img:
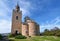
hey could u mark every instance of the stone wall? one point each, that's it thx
(16, 23)
(25, 30)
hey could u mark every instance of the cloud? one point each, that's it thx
(56, 20)
(6, 12)
(4, 9)
(5, 23)
(25, 12)
(24, 6)
(50, 24)
(5, 26)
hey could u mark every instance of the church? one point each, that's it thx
(26, 28)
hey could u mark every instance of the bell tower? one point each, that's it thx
(16, 20)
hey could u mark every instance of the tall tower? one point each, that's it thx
(16, 20)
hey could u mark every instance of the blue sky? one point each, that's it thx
(45, 12)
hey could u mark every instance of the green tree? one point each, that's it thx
(0, 36)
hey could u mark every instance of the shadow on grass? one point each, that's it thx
(11, 40)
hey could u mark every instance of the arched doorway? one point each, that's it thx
(16, 32)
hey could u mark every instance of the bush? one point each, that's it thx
(11, 35)
(29, 36)
(20, 37)
(0, 36)
(11, 40)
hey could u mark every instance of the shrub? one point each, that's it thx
(0, 36)
(11, 40)
(11, 35)
(20, 37)
(29, 36)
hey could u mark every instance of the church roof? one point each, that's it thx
(24, 23)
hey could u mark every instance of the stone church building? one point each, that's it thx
(26, 28)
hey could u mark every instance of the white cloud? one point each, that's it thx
(4, 9)
(5, 26)
(56, 20)
(51, 24)
(24, 6)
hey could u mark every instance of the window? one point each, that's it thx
(16, 17)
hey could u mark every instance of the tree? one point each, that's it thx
(0, 36)
(53, 32)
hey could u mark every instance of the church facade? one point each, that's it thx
(26, 28)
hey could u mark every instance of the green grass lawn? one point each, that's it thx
(39, 38)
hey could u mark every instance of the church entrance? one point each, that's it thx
(16, 32)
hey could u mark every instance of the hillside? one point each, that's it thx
(39, 38)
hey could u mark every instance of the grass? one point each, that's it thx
(39, 38)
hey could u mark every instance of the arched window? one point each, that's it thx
(16, 17)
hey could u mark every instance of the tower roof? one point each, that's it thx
(17, 7)
(27, 18)
(24, 23)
